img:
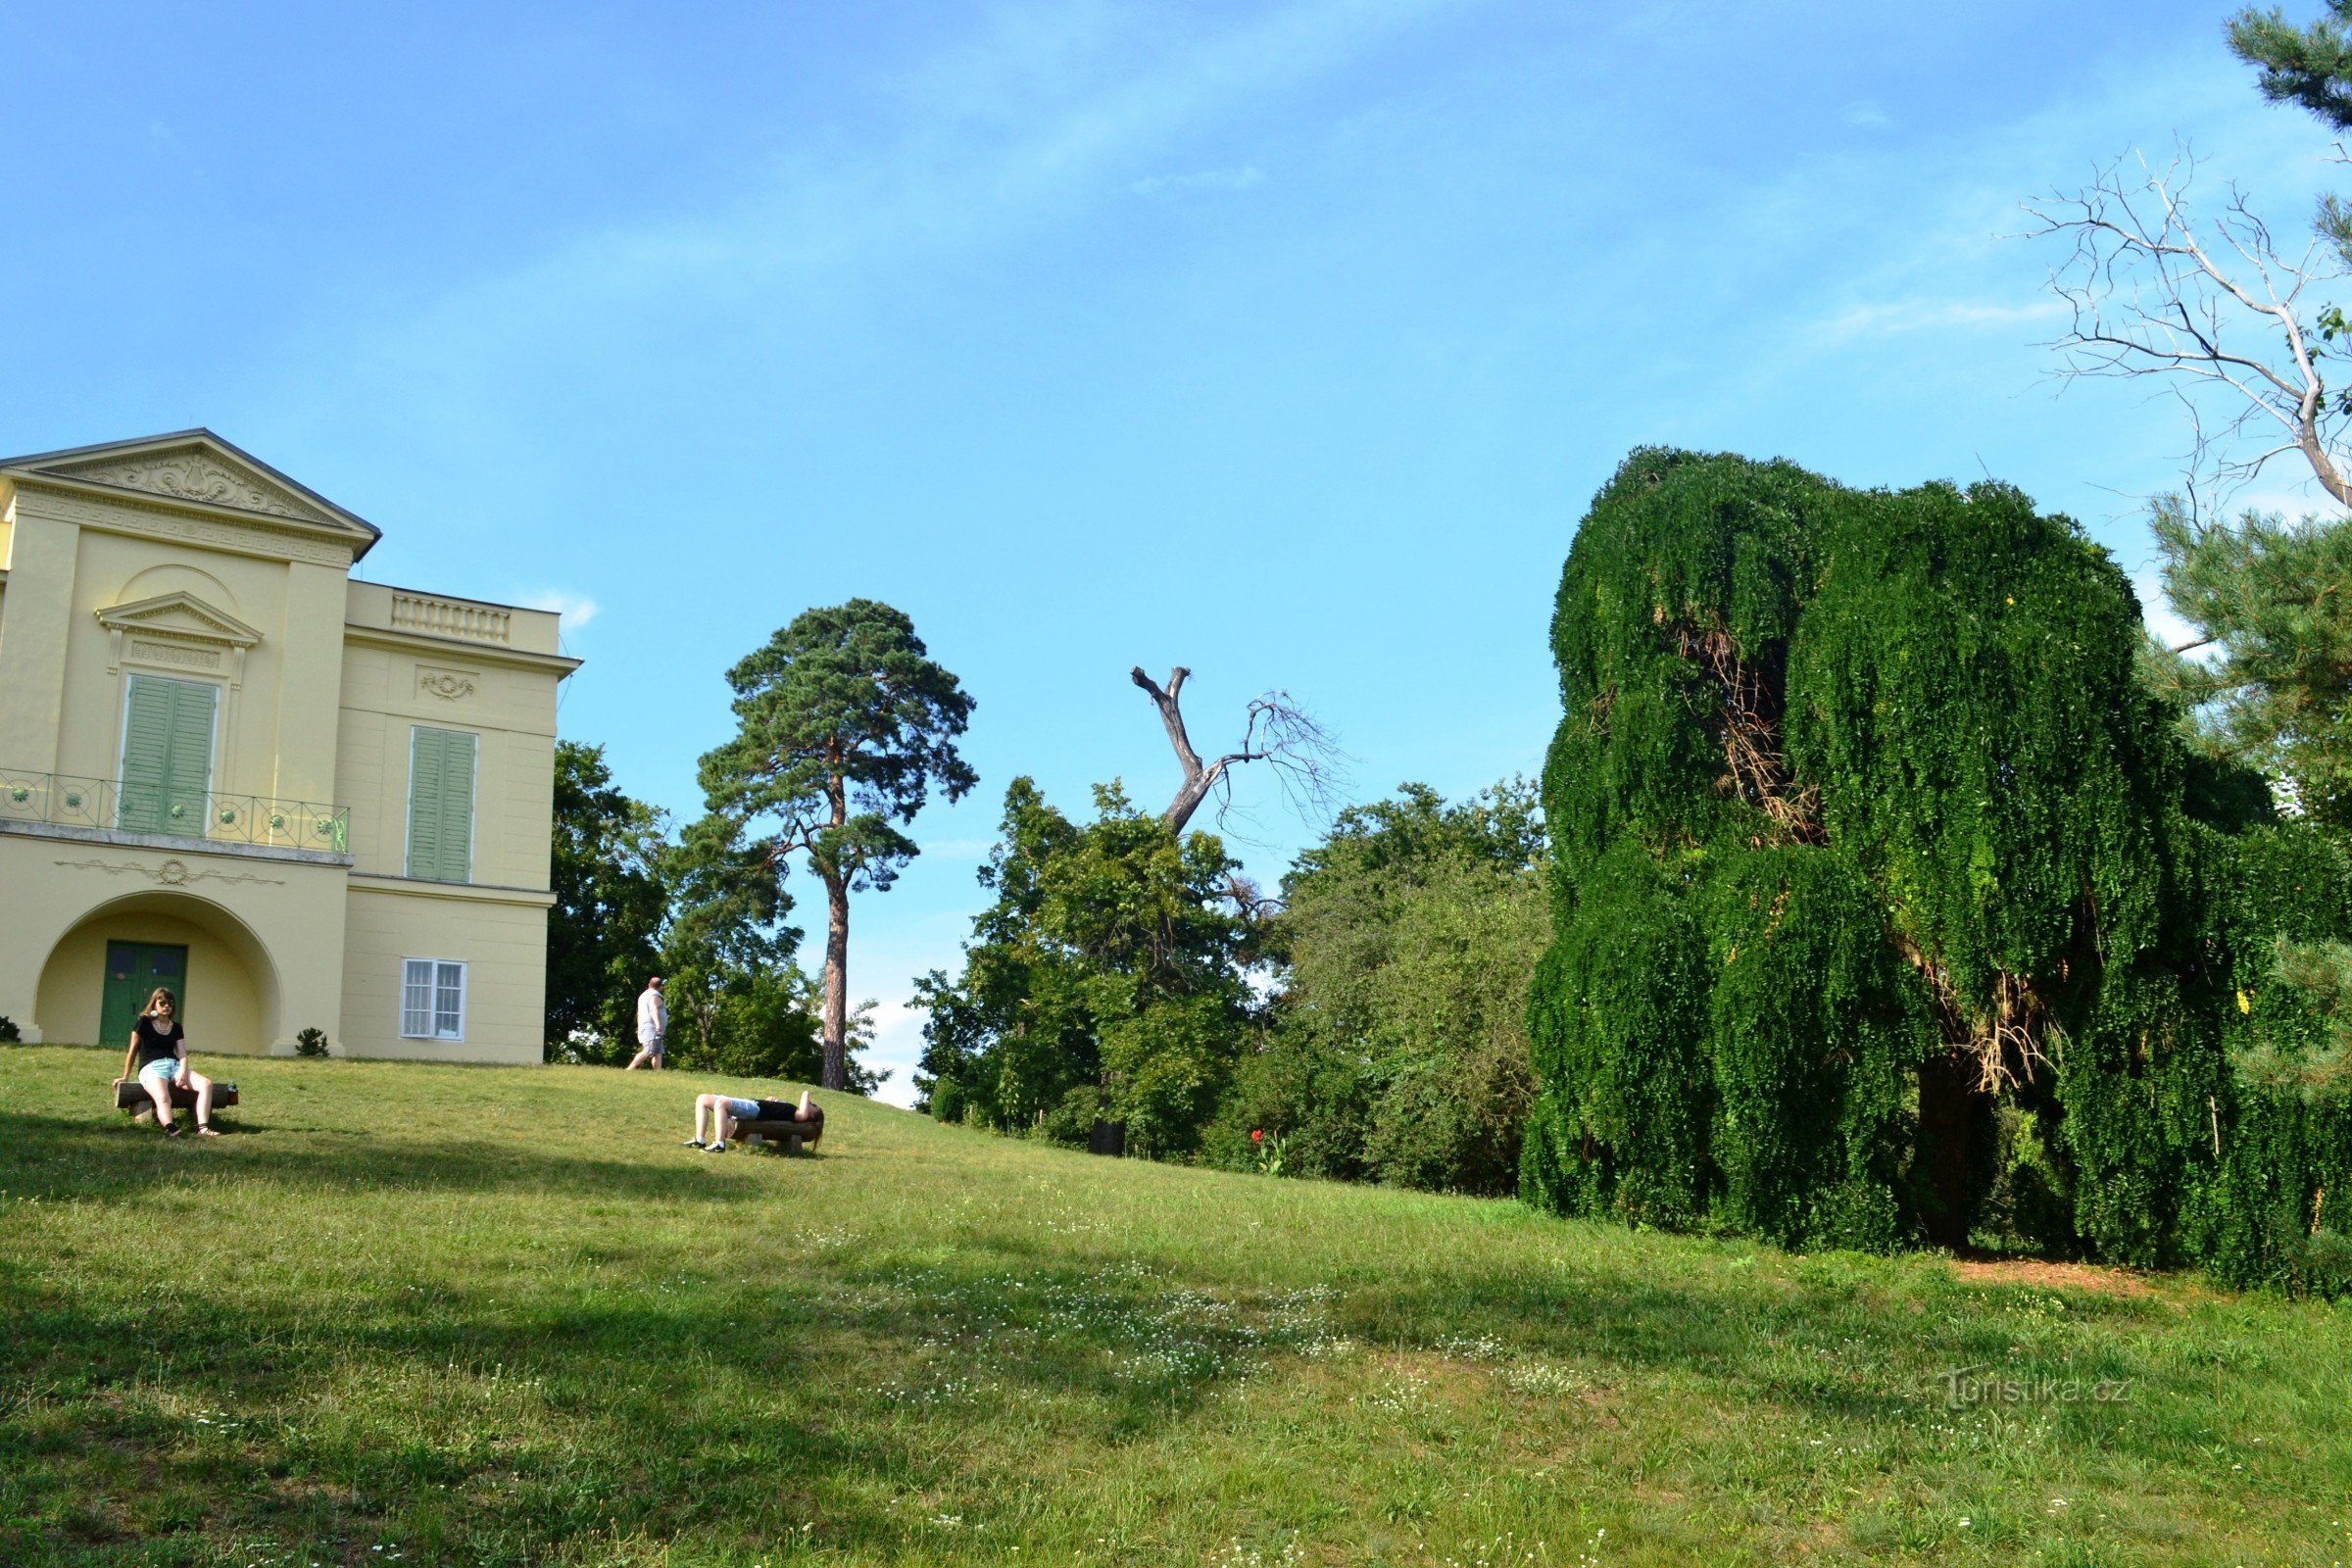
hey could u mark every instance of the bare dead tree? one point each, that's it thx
(2215, 308)
(1300, 753)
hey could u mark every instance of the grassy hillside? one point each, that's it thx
(499, 1317)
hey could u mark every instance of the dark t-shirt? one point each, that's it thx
(156, 1044)
(786, 1110)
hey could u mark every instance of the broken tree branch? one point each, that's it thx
(1277, 731)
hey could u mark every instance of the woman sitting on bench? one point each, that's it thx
(727, 1112)
(159, 1058)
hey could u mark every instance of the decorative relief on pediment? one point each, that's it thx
(194, 476)
(135, 517)
(449, 685)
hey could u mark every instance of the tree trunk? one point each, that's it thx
(1187, 799)
(837, 982)
(1197, 778)
(1947, 1090)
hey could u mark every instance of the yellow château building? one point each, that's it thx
(301, 800)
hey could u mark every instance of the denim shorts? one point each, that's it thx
(163, 1067)
(744, 1110)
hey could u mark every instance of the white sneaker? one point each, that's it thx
(694, 1143)
(715, 1148)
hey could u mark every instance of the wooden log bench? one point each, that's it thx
(131, 1096)
(792, 1136)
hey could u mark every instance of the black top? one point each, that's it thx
(156, 1044)
(786, 1110)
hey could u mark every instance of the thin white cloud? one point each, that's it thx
(1207, 180)
(1864, 114)
(577, 610)
(1038, 112)
(957, 848)
(1885, 318)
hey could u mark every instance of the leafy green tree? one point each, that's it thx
(1104, 982)
(2309, 66)
(2271, 689)
(603, 932)
(845, 724)
(1869, 840)
(1402, 952)
(727, 942)
(1008, 1040)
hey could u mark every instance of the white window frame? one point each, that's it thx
(437, 968)
(408, 807)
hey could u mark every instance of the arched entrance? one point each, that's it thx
(229, 986)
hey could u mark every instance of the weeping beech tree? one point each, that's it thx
(1890, 906)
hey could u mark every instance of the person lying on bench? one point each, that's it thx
(725, 1112)
(159, 1058)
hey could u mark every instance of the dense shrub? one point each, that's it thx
(1884, 904)
(1396, 1047)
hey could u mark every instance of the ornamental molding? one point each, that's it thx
(172, 873)
(449, 685)
(181, 616)
(193, 476)
(177, 656)
(132, 515)
(180, 630)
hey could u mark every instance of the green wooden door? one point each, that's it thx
(167, 755)
(133, 969)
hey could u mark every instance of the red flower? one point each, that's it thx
(1257, 1135)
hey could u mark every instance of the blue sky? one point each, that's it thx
(1287, 341)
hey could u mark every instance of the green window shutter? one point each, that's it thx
(167, 755)
(424, 802)
(441, 805)
(456, 808)
(188, 774)
(146, 749)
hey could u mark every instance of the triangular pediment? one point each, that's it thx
(199, 468)
(183, 615)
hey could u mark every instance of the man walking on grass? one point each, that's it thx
(653, 1024)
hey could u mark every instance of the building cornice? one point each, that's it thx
(415, 641)
(455, 892)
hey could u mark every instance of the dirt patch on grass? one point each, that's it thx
(2052, 1276)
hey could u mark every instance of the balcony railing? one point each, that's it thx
(451, 618)
(206, 815)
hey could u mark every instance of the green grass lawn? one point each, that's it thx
(445, 1315)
